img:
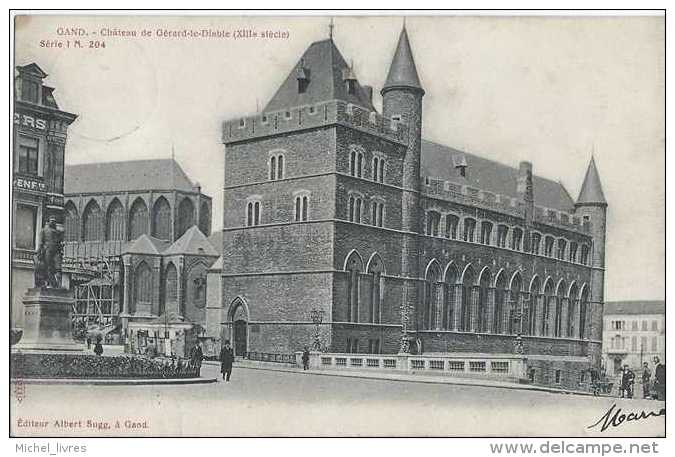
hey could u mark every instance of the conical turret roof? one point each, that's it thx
(591, 189)
(402, 71)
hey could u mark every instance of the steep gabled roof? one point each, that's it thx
(591, 189)
(147, 245)
(437, 162)
(635, 307)
(402, 71)
(193, 242)
(165, 174)
(326, 70)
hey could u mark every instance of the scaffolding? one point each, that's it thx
(95, 277)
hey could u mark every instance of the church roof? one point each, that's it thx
(485, 174)
(193, 242)
(635, 307)
(325, 69)
(591, 189)
(147, 245)
(402, 71)
(164, 174)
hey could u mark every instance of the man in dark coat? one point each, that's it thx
(98, 348)
(646, 377)
(305, 359)
(226, 360)
(196, 358)
(627, 379)
(659, 379)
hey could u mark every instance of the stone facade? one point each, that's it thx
(396, 258)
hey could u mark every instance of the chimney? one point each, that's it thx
(369, 93)
(524, 188)
(459, 162)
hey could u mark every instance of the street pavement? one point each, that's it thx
(272, 403)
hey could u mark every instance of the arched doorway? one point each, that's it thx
(237, 320)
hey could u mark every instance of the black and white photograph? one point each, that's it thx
(337, 224)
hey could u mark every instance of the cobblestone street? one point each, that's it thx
(270, 403)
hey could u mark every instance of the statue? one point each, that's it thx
(47, 269)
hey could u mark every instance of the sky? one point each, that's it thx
(550, 90)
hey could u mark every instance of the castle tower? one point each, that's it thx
(592, 207)
(402, 102)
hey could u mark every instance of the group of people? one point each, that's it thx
(652, 389)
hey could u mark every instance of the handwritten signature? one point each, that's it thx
(615, 418)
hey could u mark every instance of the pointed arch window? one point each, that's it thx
(486, 232)
(375, 271)
(355, 204)
(517, 239)
(186, 216)
(276, 166)
(584, 254)
(574, 247)
(548, 246)
(143, 284)
(536, 242)
(71, 223)
(434, 297)
(433, 222)
(115, 221)
(138, 219)
(469, 229)
(301, 205)
(378, 168)
(377, 213)
(356, 155)
(562, 247)
(354, 267)
(502, 234)
(451, 224)
(253, 211)
(92, 222)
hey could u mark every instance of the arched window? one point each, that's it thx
(451, 224)
(502, 234)
(549, 310)
(355, 203)
(354, 267)
(301, 206)
(469, 229)
(276, 167)
(536, 242)
(376, 169)
(562, 246)
(584, 254)
(143, 285)
(548, 246)
(516, 318)
(377, 213)
(433, 221)
(92, 222)
(170, 301)
(161, 219)
(252, 213)
(517, 239)
(375, 271)
(468, 280)
(451, 296)
(535, 311)
(186, 216)
(561, 308)
(483, 308)
(356, 161)
(485, 232)
(573, 312)
(583, 310)
(138, 219)
(433, 297)
(71, 223)
(574, 247)
(115, 221)
(205, 219)
(501, 308)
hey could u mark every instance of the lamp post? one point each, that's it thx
(317, 319)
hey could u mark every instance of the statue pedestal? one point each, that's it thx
(47, 324)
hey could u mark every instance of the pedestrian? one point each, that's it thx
(305, 359)
(646, 378)
(226, 360)
(88, 342)
(627, 380)
(196, 358)
(659, 379)
(98, 348)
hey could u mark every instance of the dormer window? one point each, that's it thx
(303, 77)
(30, 91)
(351, 87)
(302, 85)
